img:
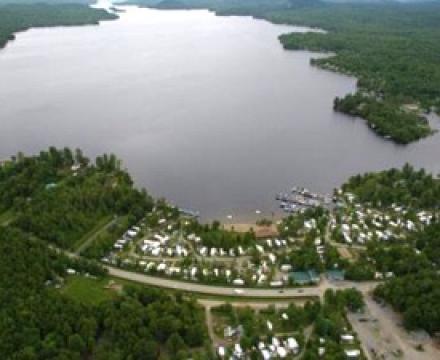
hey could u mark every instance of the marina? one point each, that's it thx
(179, 127)
(300, 198)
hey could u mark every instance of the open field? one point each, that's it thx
(90, 290)
(260, 231)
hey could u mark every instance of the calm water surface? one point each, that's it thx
(207, 111)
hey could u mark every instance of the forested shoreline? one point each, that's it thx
(24, 16)
(391, 48)
(39, 322)
(414, 288)
(55, 198)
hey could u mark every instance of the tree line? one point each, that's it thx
(23, 16)
(39, 322)
(60, 203)
(391, 48)
(407, 186)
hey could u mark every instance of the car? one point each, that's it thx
(238, 291)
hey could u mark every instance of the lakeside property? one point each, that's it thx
(384, 227)
(299, 139)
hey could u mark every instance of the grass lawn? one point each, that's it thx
(88, 290)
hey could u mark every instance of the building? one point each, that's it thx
(304, 277)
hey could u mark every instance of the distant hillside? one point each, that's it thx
(171, 4)
(304, 3)
(20, 17)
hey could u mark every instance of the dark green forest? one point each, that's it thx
(392, 49)
(410, 187)
(385, 118)
(415, 292)
(56, 197)
(20, 17)
(51, 201)
(414, 288)
(38, 322)
(416, 296)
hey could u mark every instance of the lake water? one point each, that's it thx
(207, 111)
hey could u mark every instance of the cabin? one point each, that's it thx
(71, 271)
(221, 351)
(156, 251)
(238, 351)
(347, 238)
(304, 277)
(230, 332)
(272, 258)
(286, 267)
(238, 282)
(292, 345)
(347, 338)
(265, 354)
(281, 351)
(131, 233)
(162, 267)
(352, 353)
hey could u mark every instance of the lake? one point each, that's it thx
(209, 112)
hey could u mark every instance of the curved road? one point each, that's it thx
(314, 291)
(276, 293)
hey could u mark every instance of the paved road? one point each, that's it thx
(316, 291)
(394, 336)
